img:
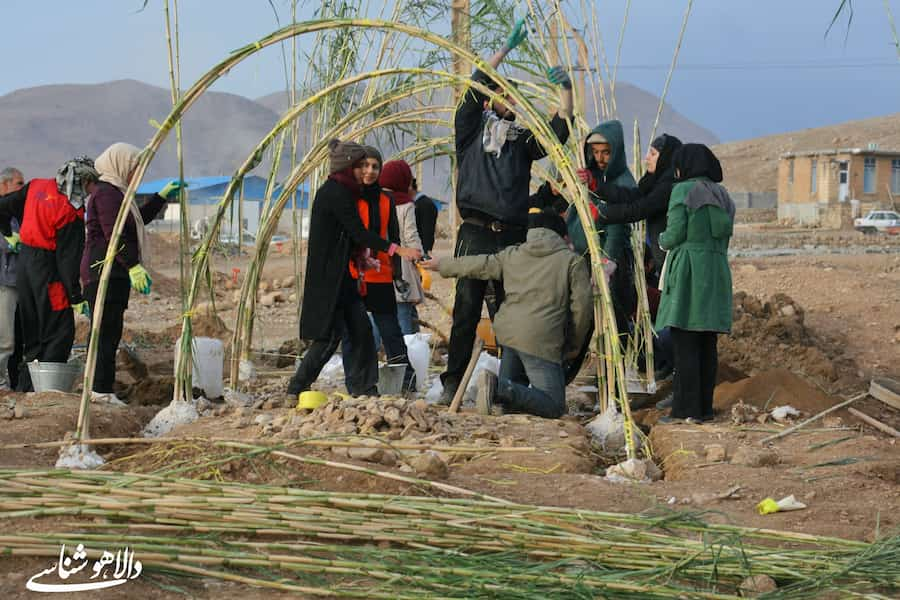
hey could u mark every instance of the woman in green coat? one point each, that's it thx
(696, 288)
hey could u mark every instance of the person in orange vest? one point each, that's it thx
(380, 276)
(51, 234)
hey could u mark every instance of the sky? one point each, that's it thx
(746, 67)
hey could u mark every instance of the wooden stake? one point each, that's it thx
(814, 418)
(464, 382)
(874, 422)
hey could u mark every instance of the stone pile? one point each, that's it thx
(394, 417)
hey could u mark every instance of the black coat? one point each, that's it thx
(334, 230)
(630, 205)
(426, 221)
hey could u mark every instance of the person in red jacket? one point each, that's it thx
(51, 233)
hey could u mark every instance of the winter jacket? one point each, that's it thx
(100, 216)
(491, 186)
(547, 311)
(426, 220)
(649, 201)
(8, 259)
(614, 239)
(696, 293)
(334, 229)
(409, 238)
(51, 224)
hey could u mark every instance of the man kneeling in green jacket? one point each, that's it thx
(544, 319)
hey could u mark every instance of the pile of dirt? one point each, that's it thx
(396, 418)
(770, 389)
(771, 334)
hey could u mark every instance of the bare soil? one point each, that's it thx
(809, 331)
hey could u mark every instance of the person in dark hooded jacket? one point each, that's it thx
(604, 154)
(331, 300)
(696, 288)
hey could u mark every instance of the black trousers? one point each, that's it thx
(696, 361)
(361, 373)
(470, 294)
(15, 361)
(117, 293)
(48, 321)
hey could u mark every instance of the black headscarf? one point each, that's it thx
(666, 145)
(696, 160)
(372, 193)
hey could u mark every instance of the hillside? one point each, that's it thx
(43, 126)
(752, 165)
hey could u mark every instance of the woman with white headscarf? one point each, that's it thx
(116, 166)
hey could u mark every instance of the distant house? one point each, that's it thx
(205, 193)
(831, 187)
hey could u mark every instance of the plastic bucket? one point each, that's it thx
(54, 377)
(390, 379)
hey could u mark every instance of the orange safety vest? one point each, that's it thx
(386, 273)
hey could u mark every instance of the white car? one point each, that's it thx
(879, 220)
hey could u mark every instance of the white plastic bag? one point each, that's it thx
(418, 349)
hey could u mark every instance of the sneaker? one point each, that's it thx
(110, 398)
(665, 402)
(487, 387)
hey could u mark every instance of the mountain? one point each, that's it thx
(752, 165)
(43, 126)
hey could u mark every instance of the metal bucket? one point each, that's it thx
(52, 376)
(390, 379)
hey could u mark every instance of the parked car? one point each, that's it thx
(886, 221)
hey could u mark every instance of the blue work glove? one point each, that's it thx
(517, 35)
(13, 241)
(82, 308)
(140, 279)
(171, 189)
(558, 76)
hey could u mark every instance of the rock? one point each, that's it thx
(755, 457)
(7, 413)
(429, 465)
(289, 281)
(715, 453)
(292, 298)
(748, 269)
(276, 284)
(20, 412)
(203, 404)
(238, 398)
(264, 286)
(366, 453)
(788, 310)
(263, 419)
(563, 433)
(634, 469)
(389, 459)
(392, 417)
(756, 585)
(243, 422)
(271, 299)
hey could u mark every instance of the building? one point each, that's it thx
(205, 193)
(832, 187)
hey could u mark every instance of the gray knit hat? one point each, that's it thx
(344, 154)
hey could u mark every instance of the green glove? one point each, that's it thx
(558, 76)
(82, 308)
(13, 241)
(171, 189)
(140, 279)
(517, 35)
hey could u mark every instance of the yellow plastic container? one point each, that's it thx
(426, 277)
(311, 400)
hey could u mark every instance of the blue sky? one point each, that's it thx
(748, 67)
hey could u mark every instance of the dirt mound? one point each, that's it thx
(773, 388)
(164, 286)
(771, 334)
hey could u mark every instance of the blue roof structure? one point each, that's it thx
(209, 190)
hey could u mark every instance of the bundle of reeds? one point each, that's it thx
(367, 545)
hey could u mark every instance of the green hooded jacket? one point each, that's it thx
(696, 293)
(615, 238)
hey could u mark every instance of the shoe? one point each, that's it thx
(709, 417)
(667, 420)
(487, 387)
(665, 402)
(110, 398)
(446, 397)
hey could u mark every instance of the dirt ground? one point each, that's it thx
(810, 329)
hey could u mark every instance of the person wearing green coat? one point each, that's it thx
(604, 155)
(696, 287)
